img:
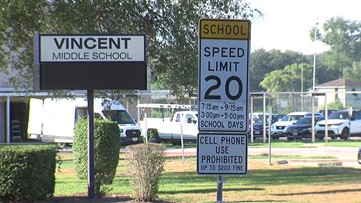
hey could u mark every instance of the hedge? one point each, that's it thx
(27, 172)
(106, 152)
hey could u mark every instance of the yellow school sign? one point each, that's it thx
(224, 29)
(223, 96)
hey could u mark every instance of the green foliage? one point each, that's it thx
(176, 64)
(151, 136)
(27, 172)
(20, 20)
(157, 113)
(353, 72)
(322, 66)
(289, 79)
(170, 26)
(344, 38)
(335, 105)
(106, 151)
(263, 62)
(341, 61)
(145, 163)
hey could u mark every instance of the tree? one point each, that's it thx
(322, 68)
(264, 62)
(344, 38)
(177, 63)
(353, 72)
(289, 79)
(19, 21)
(170, 27)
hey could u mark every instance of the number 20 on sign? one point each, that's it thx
(223, 75)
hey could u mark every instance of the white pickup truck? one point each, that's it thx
(182, 125)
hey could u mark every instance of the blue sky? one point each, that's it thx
(286, 23)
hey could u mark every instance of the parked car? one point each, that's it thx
(359, 155)
(258, 125)
(315, 113)
(340, 125)
(277, 117)
(257, 115)
(302, 128)
(258, 129)
(278, 129)
(329, 111)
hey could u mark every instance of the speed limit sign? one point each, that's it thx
(223, 75)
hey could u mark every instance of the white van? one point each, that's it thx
(53, 120)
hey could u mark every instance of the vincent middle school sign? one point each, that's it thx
(90, 62)
(91, 48)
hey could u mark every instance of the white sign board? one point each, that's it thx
(223, 75)
(219, 154)
(92, 48)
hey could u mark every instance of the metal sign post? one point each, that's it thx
(219, 189)
(91, 159)
(269, 135)
(223, 88)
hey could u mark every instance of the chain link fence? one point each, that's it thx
(283, 102)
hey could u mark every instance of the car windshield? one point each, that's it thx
(291, 117)
(276, 118)
(305, 120)
(310, 114)
(338, 115)
(119, 116)
(260, 120)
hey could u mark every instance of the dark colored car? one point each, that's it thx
(258, 125)
(302, 128)
(258, 128)
(359, 155)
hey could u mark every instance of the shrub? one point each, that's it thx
(27, 172)
(106, 151)
(145, 162)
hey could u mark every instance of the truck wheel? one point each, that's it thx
(344, 134)
(153, 136)
(61, 145)
(176, 143)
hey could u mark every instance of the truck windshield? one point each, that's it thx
(119, 116)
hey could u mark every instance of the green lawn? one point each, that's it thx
(263, 182)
